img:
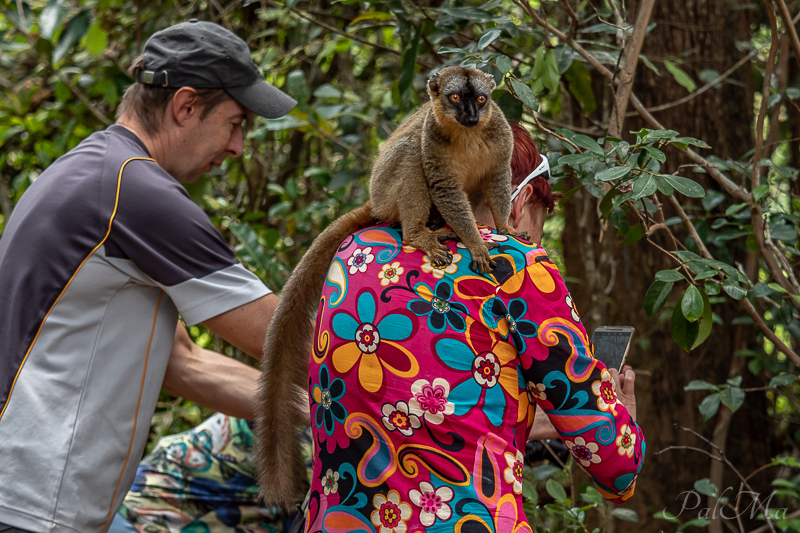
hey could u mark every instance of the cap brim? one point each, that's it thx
(263, 99)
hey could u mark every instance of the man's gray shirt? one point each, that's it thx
(100, 256)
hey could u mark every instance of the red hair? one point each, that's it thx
(524, 160)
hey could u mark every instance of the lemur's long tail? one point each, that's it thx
(284, 367)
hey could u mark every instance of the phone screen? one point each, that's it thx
(611, 344)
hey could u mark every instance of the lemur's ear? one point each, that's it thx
(490, 81)
(433, 84)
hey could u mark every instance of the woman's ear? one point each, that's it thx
(518, 206)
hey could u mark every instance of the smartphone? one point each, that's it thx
(611, 344)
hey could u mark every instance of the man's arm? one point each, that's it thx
(246, 327)
(210, 379)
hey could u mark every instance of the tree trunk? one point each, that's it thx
(615, 278)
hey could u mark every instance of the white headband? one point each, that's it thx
(543, 168)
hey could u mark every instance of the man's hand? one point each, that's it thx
(625, 393)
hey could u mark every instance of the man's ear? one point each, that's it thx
(185, 105)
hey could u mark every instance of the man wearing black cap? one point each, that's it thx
(99, 258)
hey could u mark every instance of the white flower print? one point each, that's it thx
(537, 390)
(390, 513)
(440, 271)
(390, 273)
(487, 235)
(433, 503)
(430, 400)
(397, 418)
(606, 393)
(584, 452)
(625, 441)
(486, 370)
(367, 338)
(573, 312)
(330, 483)
(513, 474)
(360, 259)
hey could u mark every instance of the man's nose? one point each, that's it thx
(236, 144)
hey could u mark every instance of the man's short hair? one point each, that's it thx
(147, 103)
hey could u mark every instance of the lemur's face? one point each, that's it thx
(461, 95)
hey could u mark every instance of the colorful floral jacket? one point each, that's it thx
(424, 381)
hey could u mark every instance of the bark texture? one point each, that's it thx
(615, 278)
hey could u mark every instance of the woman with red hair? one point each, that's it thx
(425, 379)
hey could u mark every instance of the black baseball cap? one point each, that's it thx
(204, 55)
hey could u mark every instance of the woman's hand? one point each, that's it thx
(542, 428)
(625, 393)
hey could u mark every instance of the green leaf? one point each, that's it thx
(649, 64)
(252, 252)
(633, 235)
(732, 397)
(666, 515)
(326, 90)
(777, 288)
(692, 304)
(579, 81)
(680, 76)
(706, 487)
(792, 93)
(783, 232)
(613, 173)
(529, 491)
(655, 153)
(761, 191)
(684, 333)
(488, 38)
(735, 208)
(564, 57)
(690, 140)
(669, 275)
(685, 186)
(644, 185)
(706, 321)
(503, 63)
(524, 93)
(733, 289)
(592, 495)
(555, 490)
(543, 472)
(699, 522)
(51, 18)
(575, 159)
(781, 380)
(709, 406)
(656, 297)
(588, 143)
(407, 70)
(629, 515)
(96, 40)
(699, 384)
(72, 34)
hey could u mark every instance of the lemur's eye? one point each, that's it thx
(481, 99)
(455, 98)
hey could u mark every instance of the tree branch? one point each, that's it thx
(730, 187)
(632, 50)
(768, 333)
(704, 88)
(789, 23)
(77, 92)
(756, 214)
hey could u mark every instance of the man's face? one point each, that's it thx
(207, 142)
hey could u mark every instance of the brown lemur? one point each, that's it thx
(453, 153)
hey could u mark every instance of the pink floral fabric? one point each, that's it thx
(424, 381)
